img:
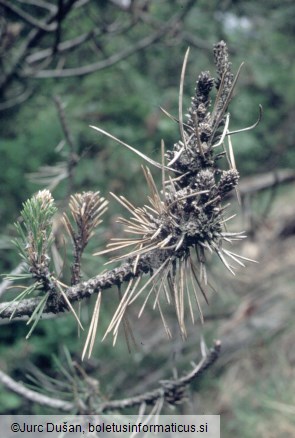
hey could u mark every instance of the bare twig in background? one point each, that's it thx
(27, 17)
(105, 63)
(62, 47)
(65, 126)
(264, 181)
(24, 63)
(16, 100)
(40, 4)
(253, 185)
(91, 68)
(33, 38)
(73, 158)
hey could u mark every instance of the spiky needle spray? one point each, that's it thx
(170, 235)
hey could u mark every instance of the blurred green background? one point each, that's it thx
(253, 386)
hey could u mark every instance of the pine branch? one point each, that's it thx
(170, 391)
(43, 400)
(173, 232)
(76, 293)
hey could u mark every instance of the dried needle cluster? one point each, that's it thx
(86, 209)
(171, 235)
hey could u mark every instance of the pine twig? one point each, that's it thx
(170, 391)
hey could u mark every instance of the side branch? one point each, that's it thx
(113, 59)
(34, 37)
(170, 391)
(27, 17)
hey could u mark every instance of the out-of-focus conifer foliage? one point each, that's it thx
(125, 98)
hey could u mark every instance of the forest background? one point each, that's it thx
(127, 66)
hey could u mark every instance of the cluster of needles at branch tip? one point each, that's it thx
(168, 238)
(186, 218)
